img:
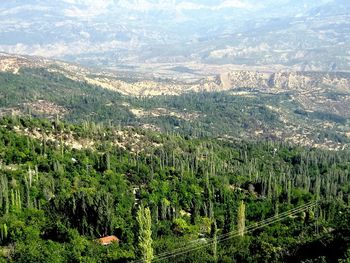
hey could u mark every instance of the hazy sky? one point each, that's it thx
(92, 8)
(146, 9)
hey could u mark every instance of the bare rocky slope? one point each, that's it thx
(285, 80)
(263, 81)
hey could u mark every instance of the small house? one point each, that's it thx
(108, 240)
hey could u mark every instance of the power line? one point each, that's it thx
(232, 235)
(194, 246)
(236, 232)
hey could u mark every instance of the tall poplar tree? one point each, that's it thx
(214, 236)
(145, 234)
(241, 219)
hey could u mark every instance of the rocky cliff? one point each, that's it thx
(284, 80)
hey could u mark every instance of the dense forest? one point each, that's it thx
(167, 197)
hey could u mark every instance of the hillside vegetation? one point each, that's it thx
(56, 198)
(314, 113)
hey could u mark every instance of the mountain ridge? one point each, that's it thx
(288, 34)
(307, 108)
(273, 81)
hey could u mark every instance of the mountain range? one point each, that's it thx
(148, 36)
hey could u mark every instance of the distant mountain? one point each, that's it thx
(296, 35)
(337, 7)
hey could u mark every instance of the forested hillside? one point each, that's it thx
(320, 120)
(63, 186)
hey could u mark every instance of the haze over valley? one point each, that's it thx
(174, 38)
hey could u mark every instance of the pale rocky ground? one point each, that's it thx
(47, 108)
(273, 81)
(125, 139)
(187, 116)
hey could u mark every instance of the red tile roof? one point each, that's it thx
(108, 240)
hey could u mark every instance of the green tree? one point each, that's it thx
(145, 234)
(241, 219)
(214, 236)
